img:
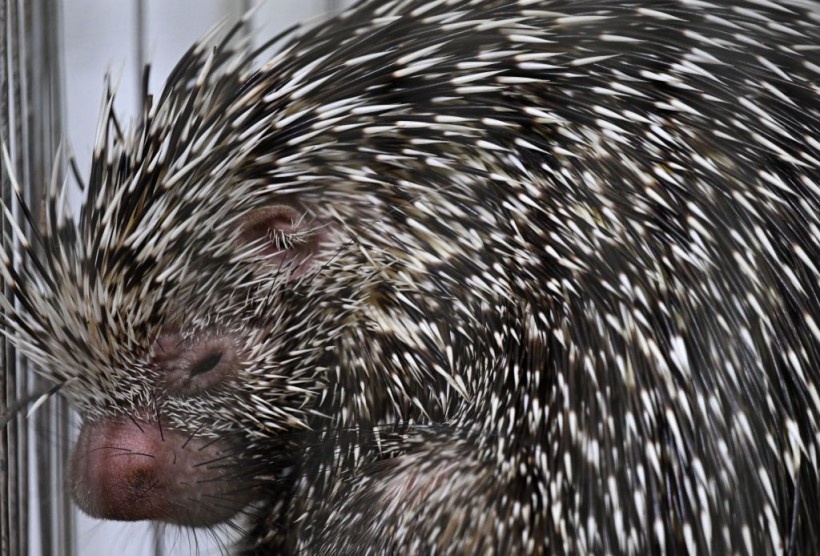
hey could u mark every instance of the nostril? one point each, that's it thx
(206, 364)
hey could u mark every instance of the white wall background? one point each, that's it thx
(101, 36)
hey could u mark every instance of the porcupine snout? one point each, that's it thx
(140, 467)
(134, 470)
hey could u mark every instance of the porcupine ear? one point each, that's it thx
(282, 234)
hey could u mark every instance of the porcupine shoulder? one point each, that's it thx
(529, 277)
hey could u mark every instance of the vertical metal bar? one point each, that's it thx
(43, 419)
(50, 22)
(140, 59)
(332, 7)
(31, 110)
(13, 447)
(8, 533)
(35, 114)
(14, 524)
(6, 370)
(30, 124)
(140, 54)
(19, 454)
(249, 30)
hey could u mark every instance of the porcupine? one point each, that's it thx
(456, 277)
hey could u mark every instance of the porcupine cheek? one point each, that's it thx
(133, 470)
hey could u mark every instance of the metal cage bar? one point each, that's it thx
(31, 127)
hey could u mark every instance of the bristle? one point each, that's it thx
(566, 299)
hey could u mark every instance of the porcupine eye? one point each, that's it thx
(206, 364)
(197, 364)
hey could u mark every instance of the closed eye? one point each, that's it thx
(207, 363)
(197, 363)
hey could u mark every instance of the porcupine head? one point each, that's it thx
(247, 259)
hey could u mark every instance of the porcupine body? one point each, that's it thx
(457, 277)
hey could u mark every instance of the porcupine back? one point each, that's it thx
(566, 295)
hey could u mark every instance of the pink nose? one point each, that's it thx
(134, 470)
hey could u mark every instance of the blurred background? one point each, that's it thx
(54, 55)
